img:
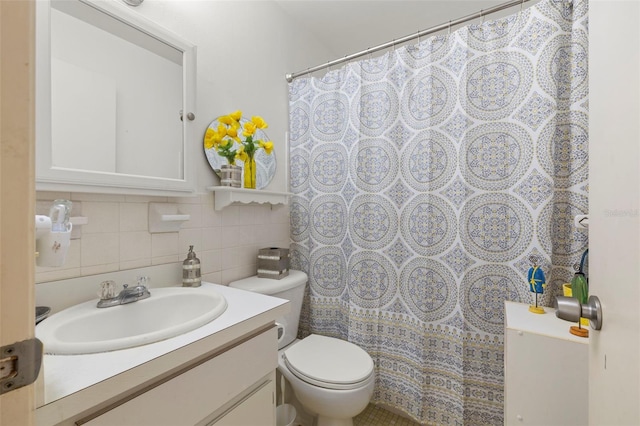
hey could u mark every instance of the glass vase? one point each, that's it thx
(250, 173)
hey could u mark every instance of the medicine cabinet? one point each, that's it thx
(115, 98)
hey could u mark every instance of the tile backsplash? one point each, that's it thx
(117, 237)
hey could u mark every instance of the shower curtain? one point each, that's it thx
(423, 182)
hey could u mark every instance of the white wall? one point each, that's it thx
(244, 50)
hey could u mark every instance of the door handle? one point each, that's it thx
(570, 309)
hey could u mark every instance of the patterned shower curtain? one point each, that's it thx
(423, 181)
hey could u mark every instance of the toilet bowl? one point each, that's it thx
(331, 378)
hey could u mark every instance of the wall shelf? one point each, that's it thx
(165, 217)
(226, 195)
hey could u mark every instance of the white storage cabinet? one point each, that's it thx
(546, 370)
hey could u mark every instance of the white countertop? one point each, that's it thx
(67, 376)
(518, 317)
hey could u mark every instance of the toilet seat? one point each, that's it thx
(329, 362)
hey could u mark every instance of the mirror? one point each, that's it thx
(265, 163)
(111, 89)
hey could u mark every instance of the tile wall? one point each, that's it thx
(117, 236)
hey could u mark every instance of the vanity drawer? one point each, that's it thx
(254, 409)
(197, 393)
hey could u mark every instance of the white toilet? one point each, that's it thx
(331, 378)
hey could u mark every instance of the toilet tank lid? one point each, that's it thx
(271, 286)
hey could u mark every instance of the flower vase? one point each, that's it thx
(250, 172)
(230, 175)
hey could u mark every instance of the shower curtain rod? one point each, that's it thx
(404, 39)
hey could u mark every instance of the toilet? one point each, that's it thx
(333, 379)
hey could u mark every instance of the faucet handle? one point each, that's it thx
(143, 280)
(107, 290)
(138, 289)
(132, 294)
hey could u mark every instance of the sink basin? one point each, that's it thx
(169, 312)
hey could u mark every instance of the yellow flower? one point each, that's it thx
(241, 155)
(213, 138)
(249, 129)
(237, 115)
(210, 138)
(259, 122)
(226, 119)
(267, 146)
(224, 137)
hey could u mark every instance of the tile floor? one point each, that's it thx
(377, 416)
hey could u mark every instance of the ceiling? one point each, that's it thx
(350, 26)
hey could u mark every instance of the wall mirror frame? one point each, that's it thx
(158, 43)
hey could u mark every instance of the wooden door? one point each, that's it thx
(17, 193)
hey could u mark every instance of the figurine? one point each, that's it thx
(537, 283)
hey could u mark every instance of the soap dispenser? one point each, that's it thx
(191, 270)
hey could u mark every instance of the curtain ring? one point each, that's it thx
(449, 33)
(483, 16)
(521, 5)
(418, 33)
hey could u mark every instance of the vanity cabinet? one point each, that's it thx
(222, 373)
(236, 387)
(546, 369)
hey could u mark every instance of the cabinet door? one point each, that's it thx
(258, 409)
(546, 380)
(205, 389)
(145, 78)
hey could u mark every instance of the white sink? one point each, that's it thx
(169, 312)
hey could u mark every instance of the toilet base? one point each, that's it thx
(326, 421)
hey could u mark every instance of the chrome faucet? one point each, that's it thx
(127, 295)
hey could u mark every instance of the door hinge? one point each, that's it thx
(19, 364)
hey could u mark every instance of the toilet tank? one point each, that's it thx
(290, 288)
